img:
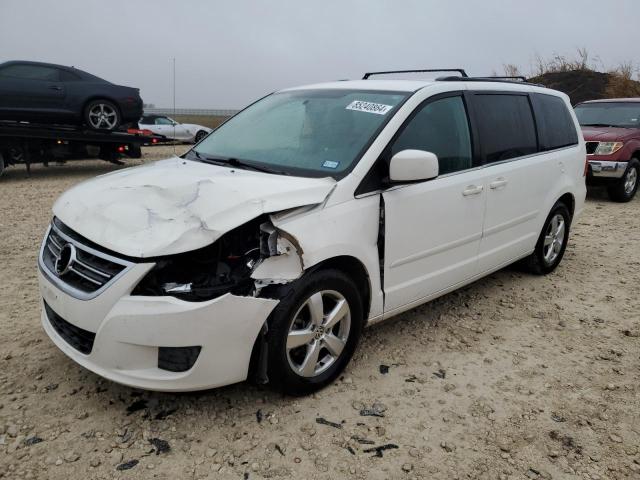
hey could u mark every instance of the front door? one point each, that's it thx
(31, 89)
(169, 128)
(433, 228)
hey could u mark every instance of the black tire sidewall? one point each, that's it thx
(200, 134)
(88, 106)
(543, 266)
(280, 373)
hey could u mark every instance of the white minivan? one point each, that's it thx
(263, 251)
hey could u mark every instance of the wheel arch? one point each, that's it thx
(347, 264)
(569, 200)
(100, 97)
(354, 269)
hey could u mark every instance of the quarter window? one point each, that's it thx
(440, 127)
(505, 125)
(67, 76)
(555, 125)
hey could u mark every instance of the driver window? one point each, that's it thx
(440, 127)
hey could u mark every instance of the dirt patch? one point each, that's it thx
(513, 377)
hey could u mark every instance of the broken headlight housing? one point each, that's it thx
(199, 275)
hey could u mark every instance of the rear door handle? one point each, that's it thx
(498, 183)
(54, 87)
(472, 190)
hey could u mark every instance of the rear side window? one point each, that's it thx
(67, 76)
(505, 125)
(555, 125)
(31, 72)
(440, 127)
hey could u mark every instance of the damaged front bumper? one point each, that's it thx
(125, 336)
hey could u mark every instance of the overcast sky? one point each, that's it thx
(229, 53)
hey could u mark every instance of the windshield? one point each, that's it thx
(609, 114)
(314, 133)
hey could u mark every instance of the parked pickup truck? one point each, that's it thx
(611, 129)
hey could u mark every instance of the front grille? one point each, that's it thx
(85, 270)
(591, 147)
(80, 339)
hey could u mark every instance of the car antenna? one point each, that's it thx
(174, 106)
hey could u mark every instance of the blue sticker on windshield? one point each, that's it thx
(330, 164)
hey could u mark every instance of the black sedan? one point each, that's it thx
(44, 92)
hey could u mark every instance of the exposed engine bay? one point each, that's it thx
(222, 267)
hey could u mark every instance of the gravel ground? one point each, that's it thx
(513, 377)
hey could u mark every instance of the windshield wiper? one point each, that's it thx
(598, 125)
(237, 163)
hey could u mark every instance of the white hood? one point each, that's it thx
(178, 205)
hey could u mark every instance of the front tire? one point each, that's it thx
(552, 241)
(625, 189)
(102, 114)
(313, 331)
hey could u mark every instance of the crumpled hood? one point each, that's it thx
(177, 205)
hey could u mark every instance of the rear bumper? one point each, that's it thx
(131, 110)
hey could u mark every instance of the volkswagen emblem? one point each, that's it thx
(65, 260)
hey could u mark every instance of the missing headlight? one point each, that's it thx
(222, 267)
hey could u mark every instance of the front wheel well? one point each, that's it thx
(350, 266)
(354, 269)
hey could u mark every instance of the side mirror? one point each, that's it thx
(412, 166)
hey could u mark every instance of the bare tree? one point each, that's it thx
(511, 70)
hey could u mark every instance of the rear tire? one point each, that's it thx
(1, 164)
(551, 243)
(625, 189)
(135, 151)
(102, 114)
(200, 135)
(307, 346)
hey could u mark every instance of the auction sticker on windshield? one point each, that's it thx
(377, 108)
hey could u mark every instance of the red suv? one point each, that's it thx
(611, 129)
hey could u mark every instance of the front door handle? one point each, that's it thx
(54, 87)
(498, 183)
(472, 190)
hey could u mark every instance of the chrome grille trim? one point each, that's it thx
(53, 242)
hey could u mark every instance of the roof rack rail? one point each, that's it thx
(430, 70)
(522, 78)
(502, 79)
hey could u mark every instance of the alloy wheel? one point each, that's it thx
(630, 180)
(554, 239)
(318, 333)
(103, 116)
